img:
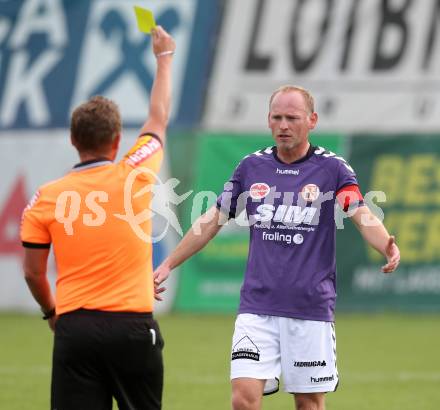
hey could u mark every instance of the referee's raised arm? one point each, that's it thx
(160, 100)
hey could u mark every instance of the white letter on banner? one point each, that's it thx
(31, 21)
(27, 86)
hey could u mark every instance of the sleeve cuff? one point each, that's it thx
(151, 134)
(33, 245)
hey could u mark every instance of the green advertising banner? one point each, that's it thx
(211, 280)
(407, 170)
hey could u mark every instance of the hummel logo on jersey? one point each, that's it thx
(315, 363)
(284, 213)
(287, 171)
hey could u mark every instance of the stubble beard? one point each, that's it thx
(288, 146)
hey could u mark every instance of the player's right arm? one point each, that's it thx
(203, 229)
(160, 100)
(201, 232)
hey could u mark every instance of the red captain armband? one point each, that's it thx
(349, 195)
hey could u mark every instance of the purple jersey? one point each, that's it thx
(291, 267)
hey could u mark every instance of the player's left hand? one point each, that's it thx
(157, 292)
(393, 256)
(159, 276)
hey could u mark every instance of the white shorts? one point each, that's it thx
(302, 351)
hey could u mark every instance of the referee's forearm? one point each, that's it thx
(160, 101)
(40, 289)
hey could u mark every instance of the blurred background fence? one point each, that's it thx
(372, 65)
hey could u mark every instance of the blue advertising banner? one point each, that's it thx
(55, 54)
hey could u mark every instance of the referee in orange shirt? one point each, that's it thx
(106, 343)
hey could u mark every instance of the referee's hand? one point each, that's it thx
(51, 322)
(163, 43)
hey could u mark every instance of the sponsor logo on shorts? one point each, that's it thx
(322, 379)
(245, 348)
(243, 354)
(315, 363)
(259, 190)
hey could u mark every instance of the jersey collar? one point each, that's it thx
(91, 163)
(309, 153)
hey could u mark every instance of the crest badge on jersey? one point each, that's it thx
(310, 192)
(259, 190)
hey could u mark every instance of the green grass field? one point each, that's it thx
(386, 362)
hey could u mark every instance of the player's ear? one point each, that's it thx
(116, 142)
(313, 119)
(72, 141)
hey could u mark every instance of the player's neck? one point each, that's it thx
(90, 156)
(291, 155)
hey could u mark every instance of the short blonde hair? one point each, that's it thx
(308, 98)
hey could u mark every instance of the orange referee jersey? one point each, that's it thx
(102, 262)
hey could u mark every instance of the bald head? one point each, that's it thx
(309, 104)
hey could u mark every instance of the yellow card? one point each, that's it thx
(145, 19)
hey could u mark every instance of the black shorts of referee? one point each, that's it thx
(99, 355)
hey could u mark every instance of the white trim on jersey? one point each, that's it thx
(329, 154)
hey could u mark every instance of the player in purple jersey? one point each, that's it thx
(290, 193)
